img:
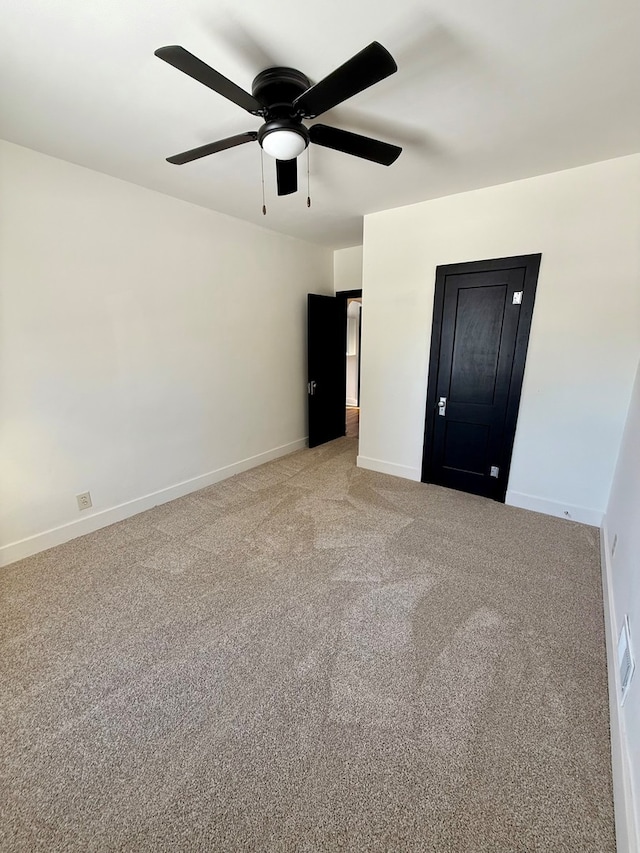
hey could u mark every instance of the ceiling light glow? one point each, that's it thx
(284, 144)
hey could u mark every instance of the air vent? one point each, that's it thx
(626, 663)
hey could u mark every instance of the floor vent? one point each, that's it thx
(626, 663)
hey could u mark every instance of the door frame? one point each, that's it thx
(531, 266)
(346, 295)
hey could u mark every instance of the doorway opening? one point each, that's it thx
(333, 411)
(352, 402)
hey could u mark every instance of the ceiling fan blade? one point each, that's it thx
(203, 73)
(212, 148)
(353, 143)
(287, 176)
(371, 65)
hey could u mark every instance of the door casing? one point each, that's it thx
(346, 295)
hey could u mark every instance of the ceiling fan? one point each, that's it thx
(283, 97)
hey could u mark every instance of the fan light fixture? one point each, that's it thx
(282, 144)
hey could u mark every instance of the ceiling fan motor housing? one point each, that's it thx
(277, 88)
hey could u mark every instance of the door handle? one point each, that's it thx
(311, 388)
(442, 406)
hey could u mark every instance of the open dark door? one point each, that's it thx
(326, 360)
(481, 322)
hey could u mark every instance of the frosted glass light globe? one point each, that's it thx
(283, 144)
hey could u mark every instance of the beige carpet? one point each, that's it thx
(309, 657)
(353, 422)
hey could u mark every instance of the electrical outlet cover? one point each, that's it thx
(626, 663)
(84, 500)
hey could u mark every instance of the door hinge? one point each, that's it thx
(517, 297)
(495, 471)
(311, 388)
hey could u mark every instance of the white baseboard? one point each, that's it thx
(388, 468)
(102, 518)
(351, 401)
(627, 839)
(583, 514)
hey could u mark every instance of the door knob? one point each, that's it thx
(442, 406)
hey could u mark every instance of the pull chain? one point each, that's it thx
(264, 206)
(308, 180)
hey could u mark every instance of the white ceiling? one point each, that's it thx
(487, 91)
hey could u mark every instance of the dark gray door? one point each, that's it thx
(482, 318)
(326, 356)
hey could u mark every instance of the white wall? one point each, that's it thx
(585, 337)
(347, 269)
(622, 573)
(144, 342)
